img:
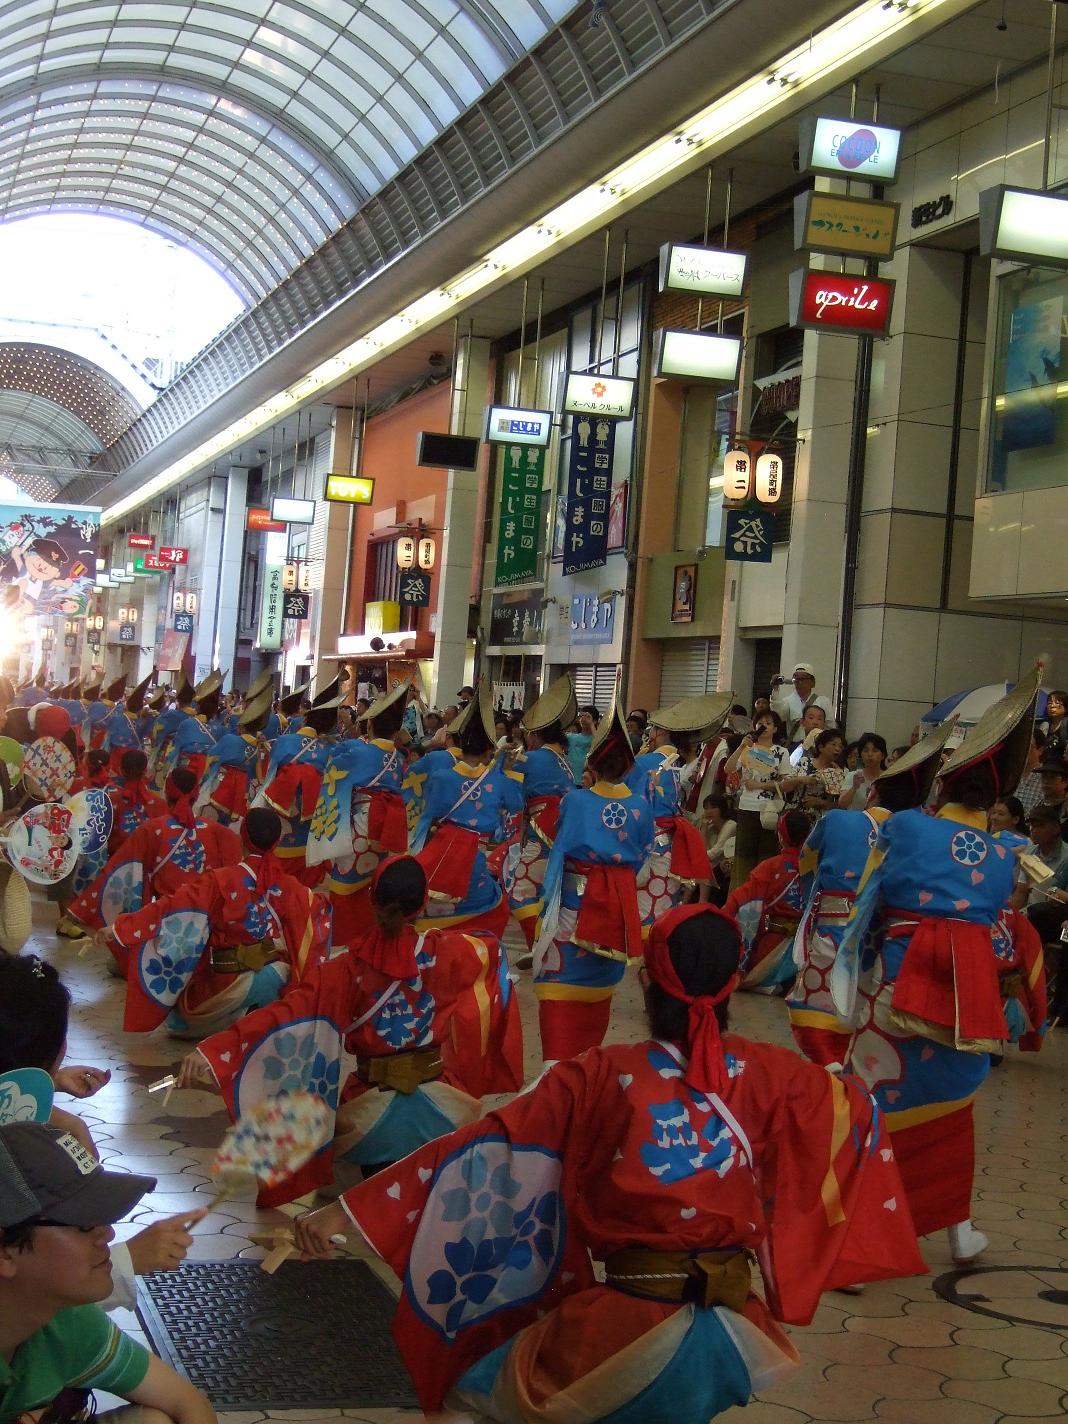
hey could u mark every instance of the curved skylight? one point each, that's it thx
(252, 130)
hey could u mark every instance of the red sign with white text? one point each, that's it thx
(157, 565)
(839, 302)
(141, 541)
(260, 520)
(174, 556)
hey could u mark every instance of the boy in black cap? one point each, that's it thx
(57, 1206)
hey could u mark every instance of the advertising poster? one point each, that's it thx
(1032, 371)
(589, 491)
(48, 558)
(523, 469)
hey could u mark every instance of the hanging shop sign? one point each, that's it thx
(516, 619)
(1023, 225)
(769, 477)
(593, 619)
(585, 394)
(849, 148)
(697, 356)
(258, 520)
(415, 589)
(748, 536)
(589, 489)
(511, 425)
(288, 510)
(271, 610)
(707, 271)
(349, 489)
(141, 541)
(839, 303)
(737, 474)
(426, 556)
(183, 622)
(442, 451)
(406, 545)
(172, 556)
(520, 514)
(127, 633)
(289, 577)
(296, 605)
(857, 227)
(155, 565)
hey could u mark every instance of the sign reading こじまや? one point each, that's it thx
(589, 490)
(521, 513)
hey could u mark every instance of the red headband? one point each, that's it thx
(269, 868)
(181, 804)
(707, 1068)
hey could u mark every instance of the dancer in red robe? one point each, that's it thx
(133, 800)
(768, 909)
(669, 1161)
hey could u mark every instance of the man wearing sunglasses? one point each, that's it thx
(57, 1207)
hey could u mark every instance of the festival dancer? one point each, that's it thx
(295, 778)
(94, 711)
(237, 762)
(929, 1008)
(670, 1161)
(768, 910)
(466, 808)
(678, 863)
(590, 925)
(121, 733)
(359, 817)
(193, 737)
(393, 1034)
(831, 864)
(167, 723)
(158, 858)
(260, 927)
(547, 778)
(132, 799)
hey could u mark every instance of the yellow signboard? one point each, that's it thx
(856, 227)
(349, 489)
(382, 616)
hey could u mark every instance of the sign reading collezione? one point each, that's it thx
(271, 613)
(521, 514)
(842, 303)
(589, 490)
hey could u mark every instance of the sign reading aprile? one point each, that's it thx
(174, 556)
(837, 302)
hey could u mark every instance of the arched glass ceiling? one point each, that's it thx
(81, 391)
(43, 446)
(253, 129)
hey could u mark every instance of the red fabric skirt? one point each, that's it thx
(937, 1164)
(608, 912)
(387, 821)
(949, 977)
(689, 859)
(448, 860)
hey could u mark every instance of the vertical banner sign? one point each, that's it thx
(589, 489)
(517, 536)
(271, 614)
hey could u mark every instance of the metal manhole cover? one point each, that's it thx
(1024, 1295)
(246, 1338)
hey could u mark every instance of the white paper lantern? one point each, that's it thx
(769, 477)
(737, 473)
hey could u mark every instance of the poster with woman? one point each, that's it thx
(48, 557)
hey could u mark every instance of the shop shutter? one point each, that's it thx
(766, 660)
(595, 684)
(690, 668)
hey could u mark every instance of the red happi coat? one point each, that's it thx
(159, 858)
(768, 909)
(163, 945)
(492, 1229)
(346, 1007)
(133, 804)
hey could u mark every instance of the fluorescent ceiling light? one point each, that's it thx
(853, 43)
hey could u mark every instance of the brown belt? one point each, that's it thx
(707, 1278)
(238, 959)
(401, 1072)
(782, 924)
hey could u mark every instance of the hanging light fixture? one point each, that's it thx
(737, 474)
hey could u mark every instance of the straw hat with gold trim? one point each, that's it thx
(557, 705)
(263, 683)
(387, 713)
(698, 717)
(1002, 736)
(91, 690)
(135, 700)
(289, 705)
(477, 717)
(184, 692)
(255, 712)
(919, 764)
(321, 716)
(610, 735)
(115, 688)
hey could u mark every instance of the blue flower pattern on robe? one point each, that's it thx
(190, 856)
(296, 1065)
(496, 1216)
(170, 959)
(682, 1141)
(122, 892)
(257, 919)
(402, 1023)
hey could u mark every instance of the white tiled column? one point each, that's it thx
(461, 540)
(331, 540)
(229, 584)
(200, 530)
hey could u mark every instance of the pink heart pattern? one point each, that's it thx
(925, 897)
(961, 904)
(977, 877)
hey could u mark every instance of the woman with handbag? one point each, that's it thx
(765, 777)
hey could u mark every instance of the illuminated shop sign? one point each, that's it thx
(1023, 225)
(510, 425)
(837, 302)
(849, 148)
(697, 356)
(709, 271)
(856, 227)
(586, 394)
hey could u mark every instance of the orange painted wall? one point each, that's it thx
(389, 458)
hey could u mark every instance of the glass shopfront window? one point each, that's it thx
(1028, 426)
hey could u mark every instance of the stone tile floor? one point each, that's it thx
(899, 1353)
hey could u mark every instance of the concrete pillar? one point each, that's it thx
(228, 598)
(329, 546)
(200, 529)
(461, 542)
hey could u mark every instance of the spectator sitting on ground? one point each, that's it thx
(1044, 827)
(718, 828)
(57, 1209)
(1008, 814)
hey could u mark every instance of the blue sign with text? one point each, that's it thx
(183, 622)
(593, 621)
(748, 536)
(589, 493)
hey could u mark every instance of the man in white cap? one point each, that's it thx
(57, 1204)
(790, 704)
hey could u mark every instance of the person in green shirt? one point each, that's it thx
(57, 1206)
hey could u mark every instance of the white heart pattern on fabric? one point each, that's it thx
(412, 1215)
(891, 1205)
(688, 1211)
(886, 1153)
(625, 1080)
(224, 1057)
(425, 1174)
(394, 1191)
